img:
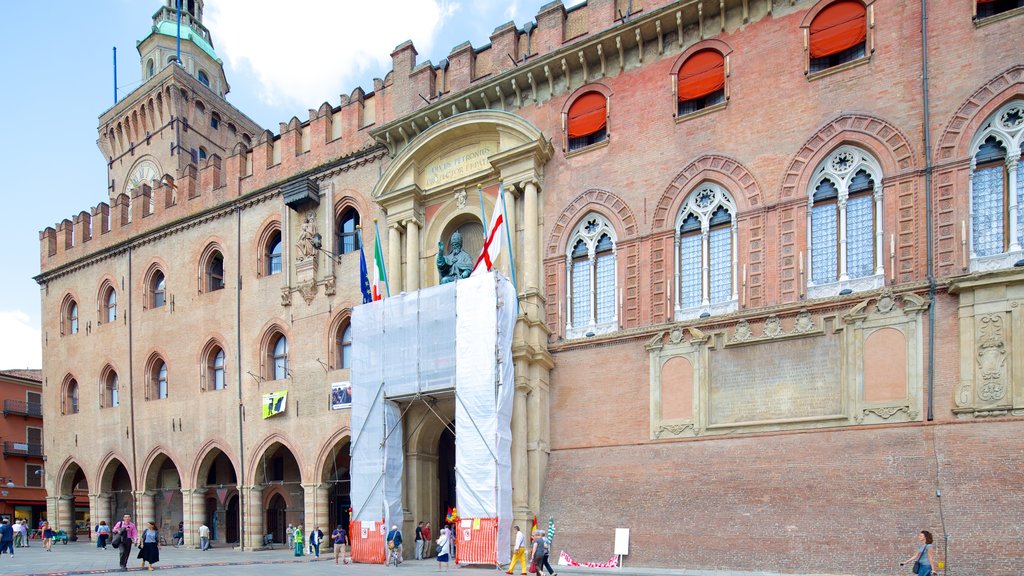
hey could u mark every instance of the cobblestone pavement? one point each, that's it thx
(85, 558)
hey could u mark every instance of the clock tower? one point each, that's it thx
(178, 119)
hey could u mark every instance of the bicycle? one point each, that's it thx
(393, 555)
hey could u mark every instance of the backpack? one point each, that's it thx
(115, 540)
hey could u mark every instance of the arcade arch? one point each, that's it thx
(215, 499)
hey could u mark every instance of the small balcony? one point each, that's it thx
(23, 449)
(22, 408)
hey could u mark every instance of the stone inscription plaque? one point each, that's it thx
(461, 163)
(798, 378)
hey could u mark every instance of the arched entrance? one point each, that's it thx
(337, 479)
(429, 461)
(116, 485)
(279, 475)
(73, 503)
(276, 518)
(163, 494)
(216, 485)
(446, 478)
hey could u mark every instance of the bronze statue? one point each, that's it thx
(456, 264)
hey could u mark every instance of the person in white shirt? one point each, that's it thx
(518, 551)
(204, 537)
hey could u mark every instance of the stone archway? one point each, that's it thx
(336, 482)
(276, 472)
(162, 501)
(424, 425)
(72, 501)
(215, 486)
(115, 488)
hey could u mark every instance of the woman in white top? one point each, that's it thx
(444, 548)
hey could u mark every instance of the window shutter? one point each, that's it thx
(839, 27)
(703, 73)
(587, 115)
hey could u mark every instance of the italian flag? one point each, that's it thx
(379, 282)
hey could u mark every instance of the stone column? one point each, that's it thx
(521, 512)
(52, 508)
(315, 508)
(145, 507)
(412, 255)
(99, 509)
(253, 517)
(533, 443)
(842, 240)
(1011, 172)
(531, 231)
(65, 514)
(193, 507)
(395, 258)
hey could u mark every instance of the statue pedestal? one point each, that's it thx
(305, 277)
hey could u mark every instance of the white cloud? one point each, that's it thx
(305, 52)
(20, 345)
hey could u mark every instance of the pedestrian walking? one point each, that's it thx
(541, 552)
(16, 528)
(444, 548)
(123, 536)
(518, 551)
(289, 535)
(340, 538)
(150, 546)
(47, 537)
(428, 544)
(419, 541)
(297, 538)
(24, 533)
(316, 536)
(924, 558)
(204, 537)
(6, 537)
(102, 533)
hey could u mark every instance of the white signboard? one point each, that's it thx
(621, 541)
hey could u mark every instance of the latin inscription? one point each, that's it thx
(798, 378)
(462, 163)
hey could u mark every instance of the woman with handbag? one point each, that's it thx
(924, 558)
(149, 545)
(444, 548)
(540, 553)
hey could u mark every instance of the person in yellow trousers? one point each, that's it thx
(519, 552)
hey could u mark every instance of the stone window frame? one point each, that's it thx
(346, 212)
(70, 315)
(267, 355)
(600, 226)
(342, 322)
(269, 232)
(71, 395)
(208, 279)
(1006, 126)
(108, 393)
(150, 285)
(104, 305)
(832, 168)
(711, 44)
(576, 95)
(208, 368)
(154, 377)
(703, 201)
(869, 40)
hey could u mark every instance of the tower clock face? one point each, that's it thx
(143, 172)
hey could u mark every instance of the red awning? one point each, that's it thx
(703, 73)
(839, 27)
(587, 115)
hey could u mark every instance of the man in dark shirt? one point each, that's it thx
(395, 541)
(6, 538)
(419, 541)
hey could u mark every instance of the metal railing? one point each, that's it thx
(23, 449)
(22, 408)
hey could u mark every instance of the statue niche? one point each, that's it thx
(455, 265)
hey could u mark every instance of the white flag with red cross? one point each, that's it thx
(495, 235)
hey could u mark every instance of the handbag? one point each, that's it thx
(917, 567)
(533, 567)
(115, 540)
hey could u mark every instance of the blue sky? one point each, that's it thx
(281, 59)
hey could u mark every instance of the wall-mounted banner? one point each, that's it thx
(274, 403)
(341, 395)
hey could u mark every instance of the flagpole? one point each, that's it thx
(383, 269)
(508, 238)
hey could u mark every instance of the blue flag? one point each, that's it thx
(364, 279)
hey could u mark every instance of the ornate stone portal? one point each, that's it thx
(424, 195)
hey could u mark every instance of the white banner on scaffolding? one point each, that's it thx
(450, 337)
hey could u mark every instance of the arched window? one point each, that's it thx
(214, 120)
(997, 190)
(279, 358)
(701, 81)
(202, 153)
(344, 344)
(73, 318)
(71, 396)
(110, 392)
(706, 249)
(587, 121)
(986, 8)
(204, 78)
(844, 220)
(158, 380)
(838, 34)
(348, 234)
(590, 263)
(110, 305)
(157, 290)
(214, 272)
(150, 68)
(273, 255)
(215, 360)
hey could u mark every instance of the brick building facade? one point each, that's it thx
(768, 294)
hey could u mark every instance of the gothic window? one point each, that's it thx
(844, 220)
(150, 68)
(157, 379)
(204, 78)
(587, 120)
(344, 344)
(214, 120)
(157, 290)
(592, 278)
(110, 392)
(701, 81)
(214, 271)
(71, 396)
(274, 254)
(838, 34)
(278, 357)
(215, 368)
(997, 190)
(109, 305)
(73, 317)
(348, 233)
(706, 251)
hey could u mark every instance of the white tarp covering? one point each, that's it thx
(454, 336)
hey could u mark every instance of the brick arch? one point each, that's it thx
(732, 175)
(203, 460)
(105, 471)
(260, 451)
(66, 475)
(343, 317)
(152, 458)
(889, 146)
(960, 129)
(601, 201)
(343, 434)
